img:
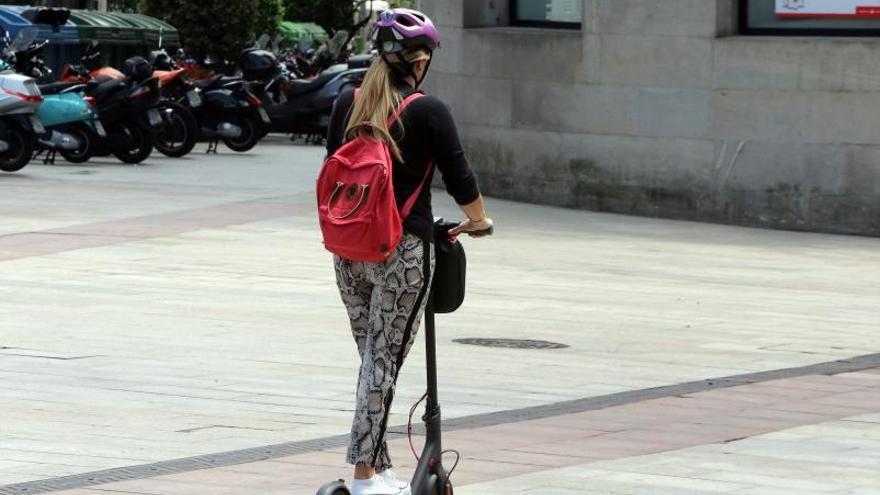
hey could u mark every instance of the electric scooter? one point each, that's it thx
(430, 477)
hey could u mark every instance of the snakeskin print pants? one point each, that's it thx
(385, 302)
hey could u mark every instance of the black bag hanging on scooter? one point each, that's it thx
(447, 288)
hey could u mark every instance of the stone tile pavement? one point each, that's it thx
(185, 307)
(740, 440)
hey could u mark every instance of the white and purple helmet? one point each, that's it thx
(401, 29)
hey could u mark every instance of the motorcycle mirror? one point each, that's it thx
(263, 41)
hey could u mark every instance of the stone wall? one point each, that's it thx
(657, 107)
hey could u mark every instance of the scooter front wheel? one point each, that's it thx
(179, 132)
(21, 147)
(334, 488)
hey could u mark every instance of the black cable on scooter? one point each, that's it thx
(412, 411)
(457, 458)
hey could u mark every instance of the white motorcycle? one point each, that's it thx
(19, 126)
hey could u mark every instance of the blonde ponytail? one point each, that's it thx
(376, 102)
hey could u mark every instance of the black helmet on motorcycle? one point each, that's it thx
(258, 65)
(138, 69)
(161, 60)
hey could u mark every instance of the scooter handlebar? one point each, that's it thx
(442, 228)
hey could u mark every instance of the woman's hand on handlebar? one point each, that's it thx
(479, 228)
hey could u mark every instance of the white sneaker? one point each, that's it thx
(373, 486)
(392, 481)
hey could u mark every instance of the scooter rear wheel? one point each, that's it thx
(179, 132)
(334, 488)
(21, 148)
(86, 149)
(140, 144)
(250, 135)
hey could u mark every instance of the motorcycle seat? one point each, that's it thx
(302, 86)
(57, 87)
(101, 88)
(205, 83)
(216, 82)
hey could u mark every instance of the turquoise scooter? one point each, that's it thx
(71, 120)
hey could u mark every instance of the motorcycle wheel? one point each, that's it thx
(250, 135)
(179, 132)
(21, 148)
(87, 145)
(140, 147)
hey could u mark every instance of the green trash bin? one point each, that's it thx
(124, 35)
(304, 33)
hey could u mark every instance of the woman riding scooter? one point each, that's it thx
(385, 300)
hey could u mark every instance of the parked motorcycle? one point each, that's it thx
(128, 107)
(181, 128)
(224, 108)
(299, 106)
(20, 99)
(70, 120)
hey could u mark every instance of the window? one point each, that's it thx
(565, 14)
(810, 17)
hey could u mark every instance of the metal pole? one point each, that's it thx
(102, 5)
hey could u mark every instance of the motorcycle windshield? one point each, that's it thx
(24, 39)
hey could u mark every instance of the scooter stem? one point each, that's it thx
(430, 477)
(431, 352)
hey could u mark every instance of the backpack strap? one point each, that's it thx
(410, 201)
(400, 108)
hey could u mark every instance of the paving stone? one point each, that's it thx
(199, 315)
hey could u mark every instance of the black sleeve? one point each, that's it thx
(448, 153)
(339, 120)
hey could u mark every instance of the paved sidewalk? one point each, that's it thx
(185, 308)
(756, 438)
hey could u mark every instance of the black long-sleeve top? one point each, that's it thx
(429, 135)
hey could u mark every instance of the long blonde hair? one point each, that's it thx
(377, 100)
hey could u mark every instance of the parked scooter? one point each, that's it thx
(180, 128)
(299, 106)
(20, 99)
(127, 107)
(225, 110)
(71, 121)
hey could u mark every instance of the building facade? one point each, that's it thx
(752, 112)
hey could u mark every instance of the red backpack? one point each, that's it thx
(357, 209)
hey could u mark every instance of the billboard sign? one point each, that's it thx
(828, 9)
